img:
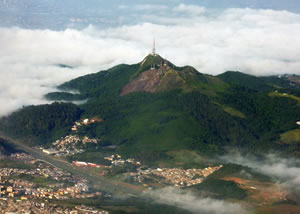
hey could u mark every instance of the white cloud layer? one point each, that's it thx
(259, 42)
(285, 170)
(195, 204)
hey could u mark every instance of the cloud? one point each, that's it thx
(151, 7)
(29, 61)
(189, 9)
(286, 171)
(259, 42)
(195, 204)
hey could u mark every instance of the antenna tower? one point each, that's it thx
(153, 48)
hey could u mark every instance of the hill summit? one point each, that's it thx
(157, 74)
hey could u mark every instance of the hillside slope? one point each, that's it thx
(154, 107)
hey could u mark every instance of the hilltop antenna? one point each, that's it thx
(153, 48)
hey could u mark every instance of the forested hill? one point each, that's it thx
(41, 124)
(154, 107)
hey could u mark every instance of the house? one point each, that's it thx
(9, 189)
(50, 151)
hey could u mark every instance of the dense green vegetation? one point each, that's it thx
(64, 96)
(267, 116)
(222, 189)
(205, 114)
(234, 170)
(235, 78)
(41, 124)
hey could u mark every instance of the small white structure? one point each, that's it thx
(50, 151)
(298, 123)
(153, 48)
(85, 121)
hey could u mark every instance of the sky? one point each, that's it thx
(214, 36)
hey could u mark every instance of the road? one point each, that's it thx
(100, 183)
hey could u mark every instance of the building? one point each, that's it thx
(50, 151)
(80, 163)
(9, 189)
(85, 121)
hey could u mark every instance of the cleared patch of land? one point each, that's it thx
(290, 137)
(233, 112)
(277, 94)
(279, 209)
(261, 193)
(183, 158)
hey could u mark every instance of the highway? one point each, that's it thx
(100, 183)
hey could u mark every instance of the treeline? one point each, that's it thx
(41, 124)
(221, 129)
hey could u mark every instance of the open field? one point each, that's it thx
(289, 137)
(285, 95)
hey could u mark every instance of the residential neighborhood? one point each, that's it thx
(10, 205)
(69, 145)
(177, 177)
(23, 189)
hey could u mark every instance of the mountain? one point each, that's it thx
(155, 107)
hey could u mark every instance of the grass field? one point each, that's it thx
(289, 137)
(233, 112)
(185, 159)
(285, 95)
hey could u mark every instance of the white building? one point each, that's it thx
(50, 151)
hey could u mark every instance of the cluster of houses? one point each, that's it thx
(25, 158)
(14, 181)
(21, 191)
(85, 122)
(91, 210)
(24, 190)
(72, 144)
(175, 176)
(69, 145)
(10, 205)
(115, 160)
(18, 187)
